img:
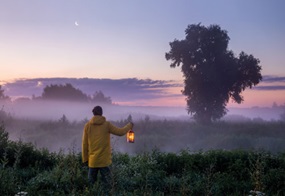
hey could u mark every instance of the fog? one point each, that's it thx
(74, 111)
(169, 129)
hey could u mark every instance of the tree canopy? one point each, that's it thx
(69, 93)
(212, 73)
(63, 92)
(101, 98)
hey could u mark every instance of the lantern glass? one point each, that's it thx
(131, 137)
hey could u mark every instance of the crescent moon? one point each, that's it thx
(76, 23)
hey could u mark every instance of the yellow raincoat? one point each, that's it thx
(96, 144)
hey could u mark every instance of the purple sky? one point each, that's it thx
(120, 45)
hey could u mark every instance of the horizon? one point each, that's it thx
(146, 92)
(80, 110)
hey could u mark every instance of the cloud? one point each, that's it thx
(270, 88)
(271, 83)
(270, 79)
(126, 90)
(120, 90)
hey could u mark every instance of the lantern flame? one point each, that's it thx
(131, 137)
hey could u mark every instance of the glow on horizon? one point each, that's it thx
(252, 98)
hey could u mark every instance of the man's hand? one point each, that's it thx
(85, 164)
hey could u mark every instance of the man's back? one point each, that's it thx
(97, 139)
(96, 143)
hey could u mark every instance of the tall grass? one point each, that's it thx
(215, 172)
(167, 158)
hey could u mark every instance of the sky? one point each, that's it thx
(124, 42)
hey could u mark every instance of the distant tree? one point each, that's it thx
(130, 118)
(4, 136)
(2, 95)
(127, 120)
(282, 116)
(63, 92)
(212, 74)
(3, 115)
(99, 97)
(274, 105)
(147, 119)
(63, 120)
(1, 92)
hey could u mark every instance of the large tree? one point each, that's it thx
(212, 73)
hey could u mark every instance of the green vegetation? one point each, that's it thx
(23, 167)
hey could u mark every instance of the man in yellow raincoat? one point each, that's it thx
(96, 145)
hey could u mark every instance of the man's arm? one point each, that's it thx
(85, 144)
(120, 131)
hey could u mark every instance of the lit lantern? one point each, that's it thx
(131, 136)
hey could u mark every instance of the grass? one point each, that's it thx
(229, 164)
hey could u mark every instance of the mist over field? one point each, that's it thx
(58, 125)
(76, 111)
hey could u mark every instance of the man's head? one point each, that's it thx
(97, 110)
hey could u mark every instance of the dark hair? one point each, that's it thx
(97, 110)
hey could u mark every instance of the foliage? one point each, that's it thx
(63, 92)
(99, 97)
(150, 170)
(3, 97)
(3, 138)
(282, 115)
(69, 93)
(212, 73)
(214, 172)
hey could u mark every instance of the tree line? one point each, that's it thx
(64, 92)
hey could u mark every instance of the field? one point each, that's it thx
(167, 158)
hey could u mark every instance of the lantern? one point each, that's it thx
(131, 136)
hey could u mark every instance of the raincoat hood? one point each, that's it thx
(97, 120)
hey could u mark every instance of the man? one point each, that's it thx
(96, 145)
